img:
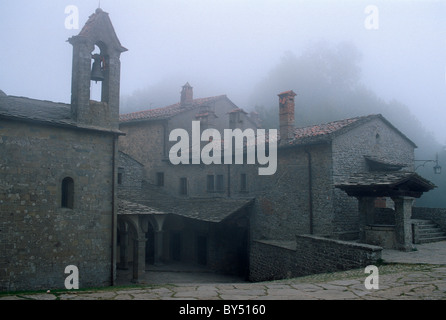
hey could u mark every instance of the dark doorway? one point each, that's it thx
(175, 246)
(202, 250)
(150, 245)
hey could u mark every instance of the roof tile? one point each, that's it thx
(166, 112)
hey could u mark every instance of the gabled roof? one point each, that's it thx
(99, 28)
(383, 184)
(327, 131)
(169, 111)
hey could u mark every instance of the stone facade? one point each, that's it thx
(58, 175)
(130, 171)
(376, 138)
(39, 237)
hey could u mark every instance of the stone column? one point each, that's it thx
(366, 208)
(139, 258)
(403, 227)
(159, 233)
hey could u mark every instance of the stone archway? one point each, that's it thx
(132, 241)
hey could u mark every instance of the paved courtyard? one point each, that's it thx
(417, 275)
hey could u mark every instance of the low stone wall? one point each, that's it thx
(437, 215)
(273, 260)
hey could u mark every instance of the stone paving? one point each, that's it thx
(414, 276)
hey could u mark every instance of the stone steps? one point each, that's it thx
(429, 232)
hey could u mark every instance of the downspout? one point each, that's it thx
(113, 212)
(310, 190)
(229, 181)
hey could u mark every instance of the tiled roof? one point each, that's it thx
(327, 131)
(323, 131)
(167, 112)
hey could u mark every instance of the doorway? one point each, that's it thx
(175, 246)
(202, 250)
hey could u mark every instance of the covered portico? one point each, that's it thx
(134, 222)
(402, 187)
(210, 232)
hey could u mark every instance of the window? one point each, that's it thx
(215, 183)
(243, 182)
(67, 193)
(220, 183)
(210, 183)
(183, 186)
(377, 138)
(160, 179)
(120, 175)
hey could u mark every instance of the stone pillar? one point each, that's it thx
(403, 227)
(139, 258)
(366, 214)
(159, 234)
(123, 250)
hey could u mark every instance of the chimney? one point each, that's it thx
(286, 115)
(187, 95)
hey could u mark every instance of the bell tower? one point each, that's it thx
(104, 67)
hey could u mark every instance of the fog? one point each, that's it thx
(229, 47)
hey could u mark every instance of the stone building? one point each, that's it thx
(58, 174)
(70, 194)
(185, 213)
(324, 174)
(330, 180)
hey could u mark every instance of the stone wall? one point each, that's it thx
(307, 255)
(148, 143)
(38, 237)
(374, 138)
(283, 205)
(130, 171)
(145, 142)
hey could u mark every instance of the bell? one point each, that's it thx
(96, 70)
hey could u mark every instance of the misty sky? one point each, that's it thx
(228, 46)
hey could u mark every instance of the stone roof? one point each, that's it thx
(397, 183)
(98, 26)
(42, 111)
(32, 109)
(151, 200)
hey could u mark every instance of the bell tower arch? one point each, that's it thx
(103, 66)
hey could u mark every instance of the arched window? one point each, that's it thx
(67, 193)
(377, 138)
